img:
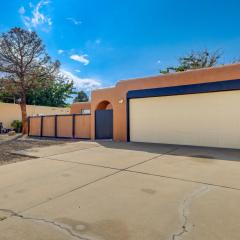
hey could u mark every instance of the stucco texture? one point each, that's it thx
(117, 95)
(10, 112)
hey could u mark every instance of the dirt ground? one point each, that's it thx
(8, 144)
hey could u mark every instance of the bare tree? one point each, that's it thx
(24, 65)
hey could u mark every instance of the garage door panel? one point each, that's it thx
(206, 119)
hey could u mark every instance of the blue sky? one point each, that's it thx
(102, 42)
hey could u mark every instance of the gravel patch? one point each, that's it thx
(8, 144)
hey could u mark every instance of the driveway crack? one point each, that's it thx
(57, 225)
(184, 210)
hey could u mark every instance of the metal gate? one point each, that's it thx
(104, 124)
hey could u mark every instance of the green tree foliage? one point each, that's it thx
(195, 60)
(6, 98)
(81, 97)
(55, 94)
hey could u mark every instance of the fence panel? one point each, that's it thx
(48, 126)
(82, 126)
(35, 126)
(61, 126)
(64, 126)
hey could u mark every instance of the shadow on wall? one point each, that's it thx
(207, 153)
(104, 105)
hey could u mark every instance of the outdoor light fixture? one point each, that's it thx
(120, 101)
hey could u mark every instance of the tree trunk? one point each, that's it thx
(24, 115)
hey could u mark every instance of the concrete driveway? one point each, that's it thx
(116, 191)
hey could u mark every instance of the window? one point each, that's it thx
(85, 111)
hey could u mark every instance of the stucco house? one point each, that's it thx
(197, 107)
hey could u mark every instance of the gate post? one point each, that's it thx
(41, 130)
(55, 125)
(28, 125)
(73, 125)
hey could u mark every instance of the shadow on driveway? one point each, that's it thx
(177, 150)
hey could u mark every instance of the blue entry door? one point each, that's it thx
(104, 124)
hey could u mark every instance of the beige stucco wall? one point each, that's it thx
(10, 112)
(206, 119)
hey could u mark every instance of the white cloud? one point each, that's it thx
(158, 61)
(60, 51)
(37, 18)
(86, 84)
(77, 70)
(80, 58)
(21, 10)
(74, 21)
